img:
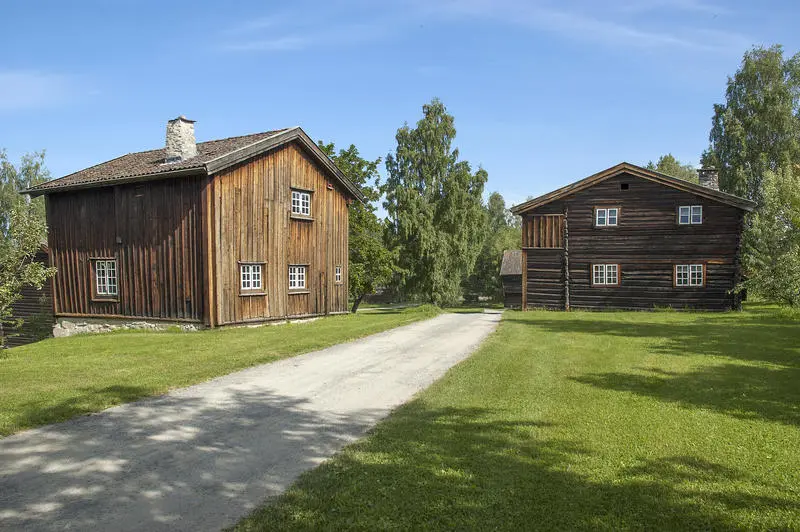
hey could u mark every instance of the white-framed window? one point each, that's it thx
(605, 274)
(105, 277)
(301, 203)
(606, 217)
(690, 214)
(689, 275)
(297, 277)
(250, 277)
(338, 275)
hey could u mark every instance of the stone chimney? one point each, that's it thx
(709, 177)
(180, 140)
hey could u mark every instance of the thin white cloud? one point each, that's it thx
(578, 21)
(28, 89)
(278, 44)
(307, 36)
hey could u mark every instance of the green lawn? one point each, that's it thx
(57, 379)
(656, 420)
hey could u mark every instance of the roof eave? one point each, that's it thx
(184, 172)
(664, 179)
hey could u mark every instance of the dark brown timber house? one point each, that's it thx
(238, 230)
(631, 238)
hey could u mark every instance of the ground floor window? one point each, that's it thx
(689, 275)
(105, 277)
(250, 277)
(297, 277)
(605, 274)
(338, 276)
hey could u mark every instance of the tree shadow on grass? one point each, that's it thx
(83, 401)
(464, 469)
(746, 392)
(745, 337)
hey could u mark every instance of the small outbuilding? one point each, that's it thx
(511, 276)
(35, 310)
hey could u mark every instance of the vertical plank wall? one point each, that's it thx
(251, 206)
(152, 229)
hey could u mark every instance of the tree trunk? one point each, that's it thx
(356, 303)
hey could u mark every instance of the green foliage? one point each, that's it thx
(22, 232)
(772, 240)
(371, 264)
(757, 129)
(502, 232)
(668, 164)
(436, 220)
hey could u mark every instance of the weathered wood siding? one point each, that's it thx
(647, 243)
(152, 229)
(35, 308)
(512, 291)
(252, 222)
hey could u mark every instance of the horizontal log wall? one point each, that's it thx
(253, 222)
(512, 291)
(647, 243)
(152, 229)
(545, 278)
(35, 308)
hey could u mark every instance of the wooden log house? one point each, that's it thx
(238, 230)
(632, 238)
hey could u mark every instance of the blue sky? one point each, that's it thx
(543, 92)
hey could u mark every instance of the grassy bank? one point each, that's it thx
(658, 420)
(57, 379)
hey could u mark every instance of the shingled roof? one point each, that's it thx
(512, 262)
(212, 156)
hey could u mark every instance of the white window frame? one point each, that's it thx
(338, 274)
(106, 278)
(690, 275)
(693, 216)
(251, 276)
(297, 277)
(301, 202)
(605, 274)
(606, 216)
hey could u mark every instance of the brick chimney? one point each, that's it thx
(709, 177)
(180, 140)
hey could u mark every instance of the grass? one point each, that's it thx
(56, 379)
(659, 420)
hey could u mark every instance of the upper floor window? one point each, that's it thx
(250, 277)
(297, 277)
(605, 274)
(690, 214)
(105, 277)
(689, 275)
(338, 275)
(301, 203)
(606, 217)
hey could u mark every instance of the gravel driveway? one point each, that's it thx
(202, 457)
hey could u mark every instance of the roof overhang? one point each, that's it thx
(637, 171)
(215, 166)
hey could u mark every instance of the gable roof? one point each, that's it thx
(212, 157)
(512, 262)
(638, 171)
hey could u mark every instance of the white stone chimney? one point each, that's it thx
(709, 177)
(180, 140)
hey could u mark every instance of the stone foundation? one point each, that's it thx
(71, 326)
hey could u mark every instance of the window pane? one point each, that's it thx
(682, 275)
(611, 274)
(697, 214)
(599, 273)
(696, 275)
(601, 217)
(684, 215)
(612, 217)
